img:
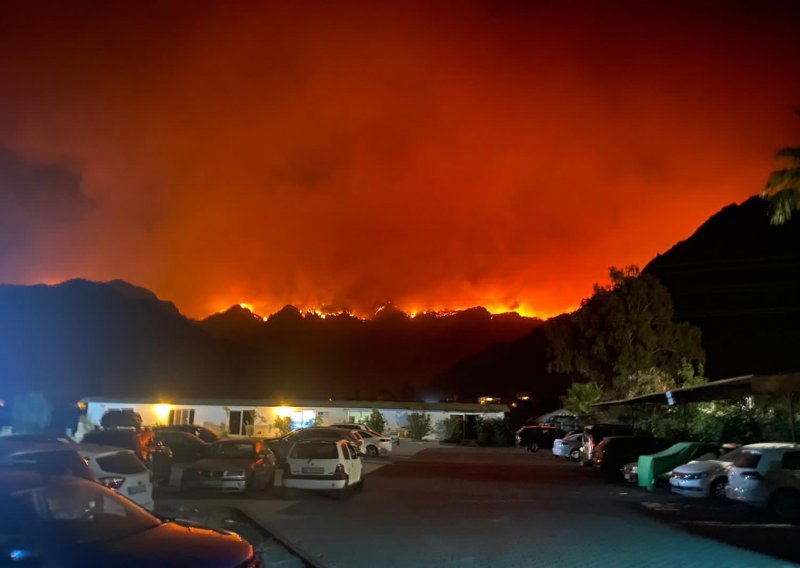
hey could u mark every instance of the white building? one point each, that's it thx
(257, 417)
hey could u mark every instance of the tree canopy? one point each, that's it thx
(783, 186)
(625, 328)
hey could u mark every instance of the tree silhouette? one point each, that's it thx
(783, 186)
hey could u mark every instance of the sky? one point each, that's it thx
(342, 155)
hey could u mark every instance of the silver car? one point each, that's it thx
(568, 447)
(767, 475)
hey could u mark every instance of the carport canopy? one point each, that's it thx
(737, 387)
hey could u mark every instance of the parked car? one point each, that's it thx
(324, 465)
(234, 464)
(375, 443)
(157, 457)
(185, 447)
(121, 418)
(568, 447)
(72, 523)
(539, 437)
(615, 451)
(353, 426)
(205, 434)
(281, 446)
(767, 475)
(45, 458)
(594, 434)
(652, 468)
(705, 478)
(120, 470)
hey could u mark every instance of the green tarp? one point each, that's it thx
(650, 467)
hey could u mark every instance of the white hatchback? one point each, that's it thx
(121, 470)
(375, 443)
(767, 475)
(703, 478)
(326, 465)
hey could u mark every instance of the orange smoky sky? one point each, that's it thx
(346, 154)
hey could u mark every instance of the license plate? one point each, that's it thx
(313, 470)
(136, 489)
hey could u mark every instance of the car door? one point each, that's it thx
(356, 465)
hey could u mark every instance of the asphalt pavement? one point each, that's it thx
(493, 507)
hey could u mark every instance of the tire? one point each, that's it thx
(575, 455)
(360, 485)
(785, 504)
(372, 451)
(716, 492)
(344, 492)
(533, 448)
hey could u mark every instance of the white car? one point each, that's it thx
(120, 470)
(568, 446)
(375, 443)
(703, 478)
(363, 427)
(767, 475)
(323, 465)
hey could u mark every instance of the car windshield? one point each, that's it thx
(730, 456)
(747, 459)
(233, 450)
(85, 512)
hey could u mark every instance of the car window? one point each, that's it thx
(122, 462)
(314, 451)
(88, 512)
(233, 450)
(791, 460)
(348, 452)
(731, 456)
(747, 459)
(52, 463)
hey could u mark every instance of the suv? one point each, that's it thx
(593, 435)
(767, 475)
(615, 451)
(535, 438)
(157, 457)
(121, 471)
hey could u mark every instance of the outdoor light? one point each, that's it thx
(283, 411)
(162, 411)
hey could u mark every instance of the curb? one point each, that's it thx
(306, 557)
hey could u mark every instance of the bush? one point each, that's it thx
(376, 421)
(31, 414)
(419, 425)
(453, 427)
(494, 432)
(283, 425)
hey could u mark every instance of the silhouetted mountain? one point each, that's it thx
(79, 338)
(738, 279)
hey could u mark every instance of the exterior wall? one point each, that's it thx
(215, 417)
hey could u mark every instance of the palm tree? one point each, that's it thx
(783, 186)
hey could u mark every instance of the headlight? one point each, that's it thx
(695, 475)
(233, 473)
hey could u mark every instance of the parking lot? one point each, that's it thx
(433, 505)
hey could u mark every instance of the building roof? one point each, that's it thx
(348, 404)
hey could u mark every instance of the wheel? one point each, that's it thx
(534, 447)
(372, 451)
(575, 455)
(344, 492)
(717, 489)
(360, 485)
(785, 504)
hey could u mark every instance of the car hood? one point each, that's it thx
(171, 545)
(217, 464)
(705, 466)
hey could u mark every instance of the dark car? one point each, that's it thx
(205, 434)
(281, 446)
(71, 523)
(614, 452)
(185, 447)
(121, 419)
(594, 434)
(233, 464)
(45, 458)
(538, 437)
(142, 441)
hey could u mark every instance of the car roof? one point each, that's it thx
(238, 440)
(774, 446)
(19, 446)
(12, 480)
(99, 450)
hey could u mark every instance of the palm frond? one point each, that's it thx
(791, 153)
(781, 178)
(783, 204)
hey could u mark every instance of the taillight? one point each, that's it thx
(339, 472)
(114, 482)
